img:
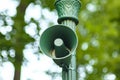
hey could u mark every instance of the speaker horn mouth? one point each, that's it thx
(56, 36)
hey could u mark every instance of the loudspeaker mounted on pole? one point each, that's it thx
(58, 42)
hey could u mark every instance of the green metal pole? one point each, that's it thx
(68, 16)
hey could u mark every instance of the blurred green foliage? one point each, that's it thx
(99, 37)
(98, 33)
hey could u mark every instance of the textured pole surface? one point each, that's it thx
(68, 15)
(68, 10)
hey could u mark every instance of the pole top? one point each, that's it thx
(68, 10)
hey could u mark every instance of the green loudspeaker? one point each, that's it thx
(59, 42)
